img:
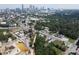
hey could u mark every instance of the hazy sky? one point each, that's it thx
(55, 6)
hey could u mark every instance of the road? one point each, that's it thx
(23, 27)
(7, 27)
(72, 48)
(34, 40)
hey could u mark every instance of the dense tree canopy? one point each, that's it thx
(5, 37)
(42, 47)
(67, 25)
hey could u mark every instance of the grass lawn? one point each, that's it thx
(71, 40)
(3, 30)
(58, 51)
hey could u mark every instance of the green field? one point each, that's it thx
(71, 40)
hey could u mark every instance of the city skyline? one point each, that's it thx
(54, 6)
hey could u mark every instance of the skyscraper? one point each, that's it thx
(22, 7)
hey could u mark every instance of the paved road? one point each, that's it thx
(72, 48)
(7, 27)
(23, 27)
(34, 40)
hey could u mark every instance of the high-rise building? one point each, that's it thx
(22, 7)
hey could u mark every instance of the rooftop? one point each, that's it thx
(22, 47)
